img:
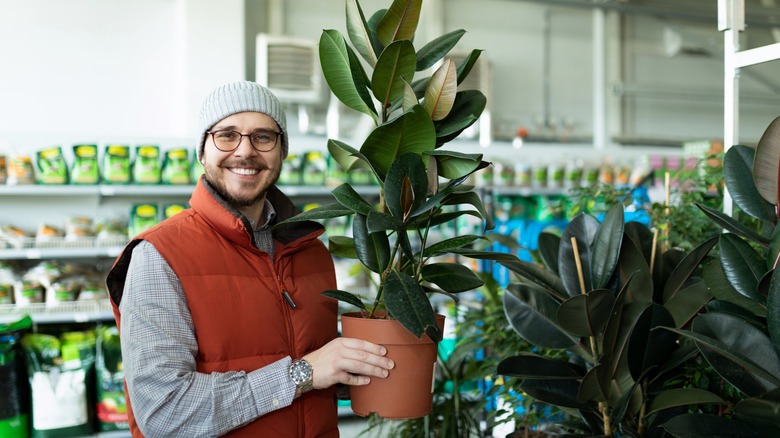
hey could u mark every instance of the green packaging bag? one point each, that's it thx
(111, 400)
(315, 169)
(171, 210)
(116, 164)
(176, 167)
(196, 169)
(60, 376)
(146, 169)
(14, 392)
(290, 174)
(142, 217)
(51, 167)
(85, 164)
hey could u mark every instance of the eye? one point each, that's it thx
(263, 137)
(227, 135)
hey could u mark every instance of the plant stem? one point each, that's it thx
(642, 411)
(382, 281)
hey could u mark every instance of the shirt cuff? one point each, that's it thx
(272, 387)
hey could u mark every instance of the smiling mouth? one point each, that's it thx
(244, 171)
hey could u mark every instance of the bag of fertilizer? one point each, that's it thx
(14, 392)
(111, 400)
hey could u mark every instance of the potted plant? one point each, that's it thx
(604, 294)
(421, 188)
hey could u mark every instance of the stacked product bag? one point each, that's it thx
(60, 372)
(111, 401)
(14, 394)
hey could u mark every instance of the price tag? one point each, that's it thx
(33, 253)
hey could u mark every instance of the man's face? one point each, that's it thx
(243, 175)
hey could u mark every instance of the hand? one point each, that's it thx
(348, 361)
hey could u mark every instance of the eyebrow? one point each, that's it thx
(234, 128)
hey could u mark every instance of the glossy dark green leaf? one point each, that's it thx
(766, 164)
(327, 211)
(730, 308)
(555, 392)
(442, 218)
(399, 22)
(738, 174)
(765, 407)
(672, 398)
(406, 183)
(721, 289)
(686, 268)
(466, 109)
(471, 198)
(773, 255)
(583, 228)
(527, 365)
(619, 330)
(532, 313)
(346, 297)
(452, 277)
(534, 273)
(412, 132)
(742, 265)
(642, 238)
(595, 385)
(341, 246)
(348, 197)
(380, 222)
(634, 273)
(373, 249)
(773, 310)
(711, 426)
(359, 33)
(485, 255)
(733, 225)
(446, 245)
(441, 90)
(452, 165)
(548, 250)
(464, 68)
(348, 157)
(435, 50)
(685, 304)
(407, 302)
(606, 246)
(394, 68)
(649, 348)
(339, 73)
(586, 314)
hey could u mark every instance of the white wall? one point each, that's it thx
(112, 71)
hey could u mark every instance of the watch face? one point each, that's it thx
(300, 372)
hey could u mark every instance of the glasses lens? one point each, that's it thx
(226, 140)
(263, 141)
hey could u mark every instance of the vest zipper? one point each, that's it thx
(288, 299)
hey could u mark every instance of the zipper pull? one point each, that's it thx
(288, 299)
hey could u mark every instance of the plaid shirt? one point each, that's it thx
(169, 397)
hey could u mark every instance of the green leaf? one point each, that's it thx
(341, 246)
(441, 90)
(406, 180)
(533, 366)
(348, 197)
(452, 165)
(412, 132)
(634, 272)
(446, 245)
(531, 272)
(394, 68)
(327, 211)
(742, 265)
(466, 109)
(452, 277)
(584, 228)
(672, 398)
(586, 314)
(345, 296)
(767, 163)
(399, 22)
(348, 157)
(606, 246)
(738, 174)
(683, 306)
(555, 392)
(595, 385)
(465, 67)
(773, 310)
(435, 50)
(373, 249)
(683, 271)
(765, 407)
(648, 348)
(335, 61)
(409, 98)
(548, 250)
(471, 198)
(378, 222)
(733, 225)
(700, 425)
(532, 313)
(407, 302)
(359, 32)
(721, 289)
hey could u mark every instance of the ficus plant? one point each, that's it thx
(604, 294)
(377, 70)
(739, 336)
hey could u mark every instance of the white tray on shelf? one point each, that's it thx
(75, 311)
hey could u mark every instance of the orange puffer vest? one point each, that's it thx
(234, 294)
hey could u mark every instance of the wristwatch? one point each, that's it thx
(302, 374)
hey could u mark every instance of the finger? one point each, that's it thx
(369, 358)
(354, 380)
(359, 344)
(363, 368)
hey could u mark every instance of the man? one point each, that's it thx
(223, 327)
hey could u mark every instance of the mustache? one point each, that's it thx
(246, 164)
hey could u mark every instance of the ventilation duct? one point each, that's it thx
(289, 67)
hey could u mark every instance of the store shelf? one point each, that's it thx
(32, 248)
(76, 311)
(152, 190)
(528, 191)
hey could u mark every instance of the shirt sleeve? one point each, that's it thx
(169, 397)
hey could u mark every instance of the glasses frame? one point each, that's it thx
(241, 138)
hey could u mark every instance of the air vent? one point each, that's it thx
(289, 67)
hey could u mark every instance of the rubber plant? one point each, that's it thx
(740, 334)
(602, 294)
(377, 71)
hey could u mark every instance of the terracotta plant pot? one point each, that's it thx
(407, 392)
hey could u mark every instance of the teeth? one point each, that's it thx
(242, 171)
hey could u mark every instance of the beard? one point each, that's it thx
(248, 198)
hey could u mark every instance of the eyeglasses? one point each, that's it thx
(228, 140)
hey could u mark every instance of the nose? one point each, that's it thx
(244, 147)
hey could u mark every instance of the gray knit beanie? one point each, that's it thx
(237, 97)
